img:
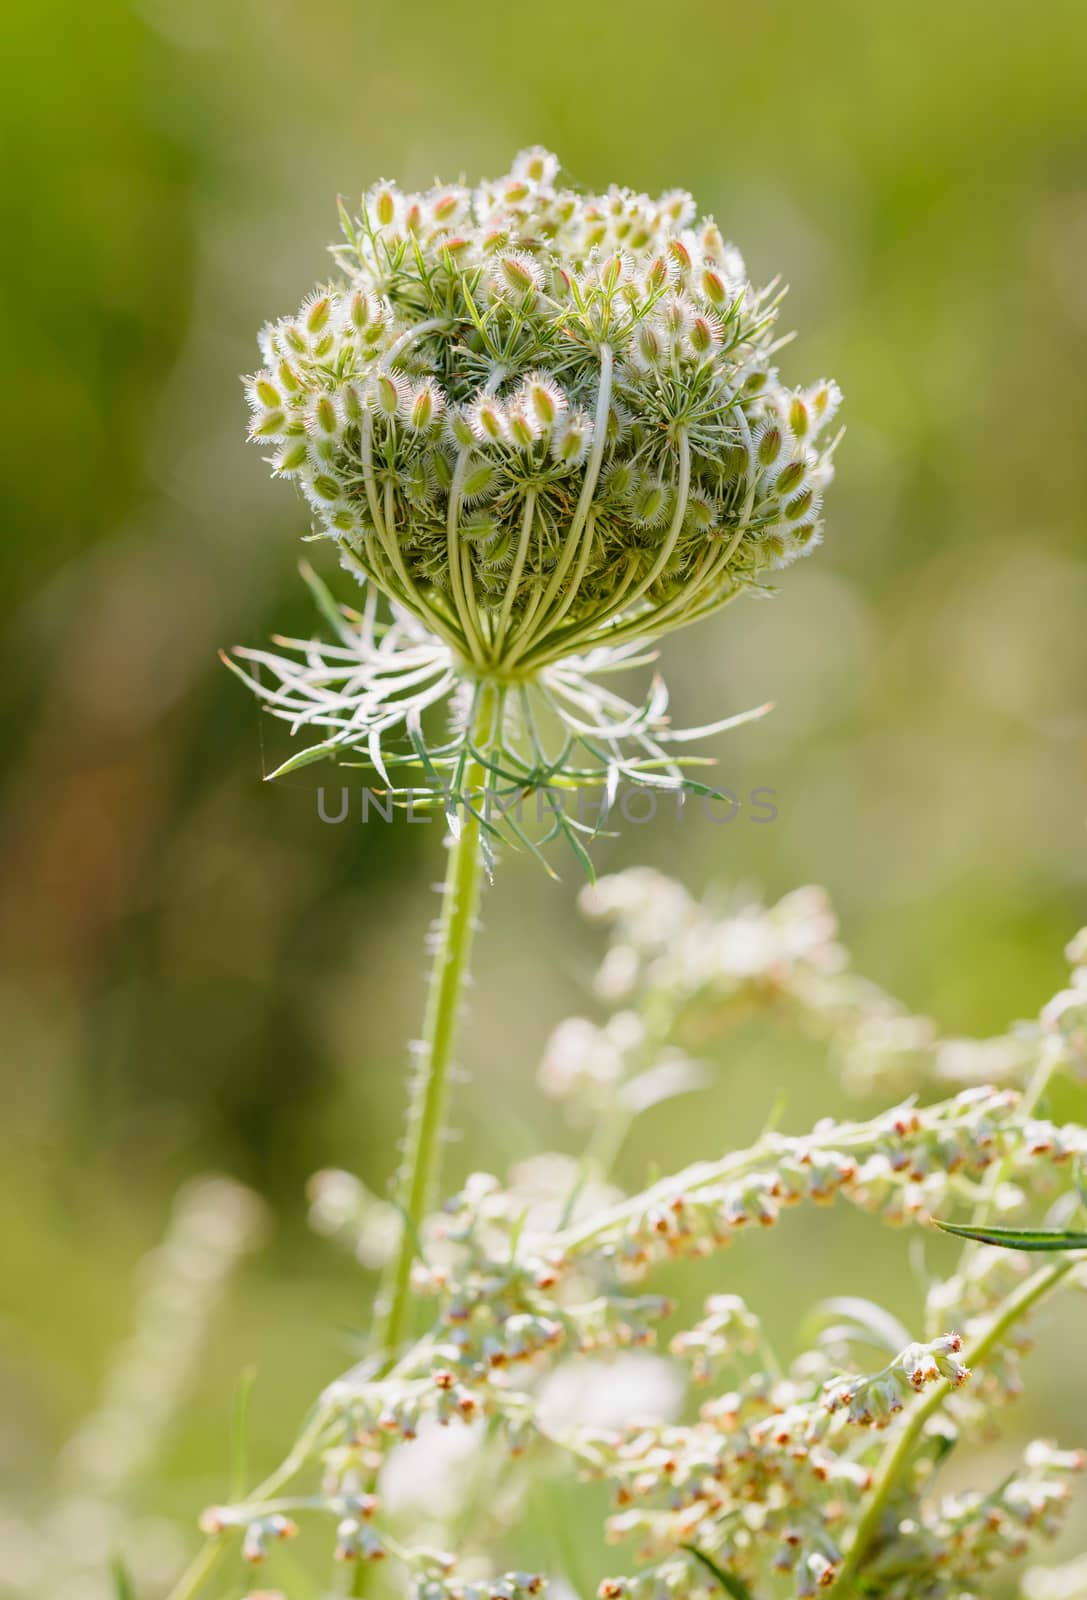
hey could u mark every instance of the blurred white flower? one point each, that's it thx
(1057, 1583)
(344, 1209)
(634, 1387)
(428, 1474)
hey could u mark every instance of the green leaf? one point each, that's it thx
(683, 735)
(519, 833)
(663, 1082)
(305, 758)
(326, 605)
(346, 224)
(729, 1582)
(858, 1320)
(1018, 1238)
(940, 1446)
(122, 1583)
(776, 1113)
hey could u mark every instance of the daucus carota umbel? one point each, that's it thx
(548, 427)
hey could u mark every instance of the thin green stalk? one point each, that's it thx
(199, 1570)
(858, 1136)
(1032, 1097)
(526, 636)
(204, 1563)
(408, 592)
(898, 1454)
(518, 568)
(418, 1176)
(456, 577)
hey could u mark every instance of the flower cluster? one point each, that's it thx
(769, 1466)
(681, 972)
(727, 1464)
(768, 1481)
(773, 1467)
(906, 1165)
(547, 426)
(526, 411)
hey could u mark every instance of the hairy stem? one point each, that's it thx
(418, 1175)
(899, 1453)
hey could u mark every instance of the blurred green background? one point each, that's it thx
(198, 973)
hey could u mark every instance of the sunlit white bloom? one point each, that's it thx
(430, 1475)
(610, 1394)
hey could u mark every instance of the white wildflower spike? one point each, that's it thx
(793, 1477)
(782, 1477)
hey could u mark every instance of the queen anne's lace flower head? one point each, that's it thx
(546, 425)
(541, 419)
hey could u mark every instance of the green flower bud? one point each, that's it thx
(519, 273)
(389, 393)
(423, 405)
(799, 417)
(325, 415)
(353, 407)
(269, 426)
(361, 309)
(292, 457)
(649, 504)
(705, 333)
(790, 477)
(771, 444)
(571, 440)
(461, 432)
(488, 420)
(384, 205)
(543, 399)
(524, 429)
(318, 312)
(479, 482)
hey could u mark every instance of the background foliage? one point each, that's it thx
(199, 973)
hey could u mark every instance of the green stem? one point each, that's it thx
(530, 631)
(1032, 1097)
(898, 1454)
(418, 1176)
(456, 576)
(199, 1570)
(206, 1560)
